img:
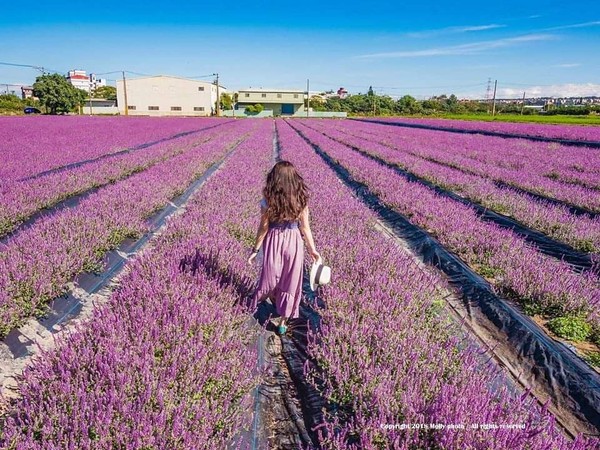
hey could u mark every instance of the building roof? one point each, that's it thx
(171, 76)
(292, 91)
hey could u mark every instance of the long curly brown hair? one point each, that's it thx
(285, 192)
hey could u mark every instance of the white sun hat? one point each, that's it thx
(320, 274)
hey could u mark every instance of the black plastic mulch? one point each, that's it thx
(572, 385)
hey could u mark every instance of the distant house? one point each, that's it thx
(282, 102)
(26, 92)
(81, 80)
(164, 95)
(342, 93)
(96, 82)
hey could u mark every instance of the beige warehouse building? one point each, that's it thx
(280, 101)
(164, 95)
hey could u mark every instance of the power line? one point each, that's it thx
(138, 73)
(31, 66)
(108, 73)
(203, 76)
(21, 65)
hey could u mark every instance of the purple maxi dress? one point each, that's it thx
(282, 267)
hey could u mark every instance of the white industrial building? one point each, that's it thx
(164, 95)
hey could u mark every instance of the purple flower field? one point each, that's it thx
(170, 360)
(552, 131)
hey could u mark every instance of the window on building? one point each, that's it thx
(264, 95)
(200, 88)
(295, 95)
(278, 95)
(152, 108)
(246, 94)
(175, 108)
(131, 107)
(198, 108)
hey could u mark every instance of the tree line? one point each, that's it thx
(55, 95)
(384, 105)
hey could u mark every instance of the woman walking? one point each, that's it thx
(284, 222)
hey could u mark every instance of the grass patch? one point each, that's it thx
(592, 358)
(574, 328)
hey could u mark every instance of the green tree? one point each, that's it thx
(107, 92)
(57, 94)
(254, 109)
(432, 105)
(408, 105)
(370, 92)
(226, 101)
(318, 105)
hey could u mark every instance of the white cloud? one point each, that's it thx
(567, 65)
(453, 30)
(463, 49)
(595, 23)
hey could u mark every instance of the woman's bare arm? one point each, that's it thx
(263, 228)
(307, 233)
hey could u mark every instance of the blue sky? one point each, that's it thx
(418, 48)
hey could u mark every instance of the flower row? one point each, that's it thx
(551, 131)
(21, 199)
(390, 359)
(540, 168)
(581, 232)
(168, 361)
(31, 145)
(37, 263)
(514, 266)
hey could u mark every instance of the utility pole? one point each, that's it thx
(125, 94)
(523, 103)
(90, 94)
(307, 96)
(374, 103)
(494, 100)
(488, 94)
(218, 98)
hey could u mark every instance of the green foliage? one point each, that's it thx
(593, 358)
(408, 105)
(451, 107)
(254, 109)
(595, 336)
(572, 110)
(226, 101)
(10, 102)
(57, 94)
(106, 92)
(573, 328)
